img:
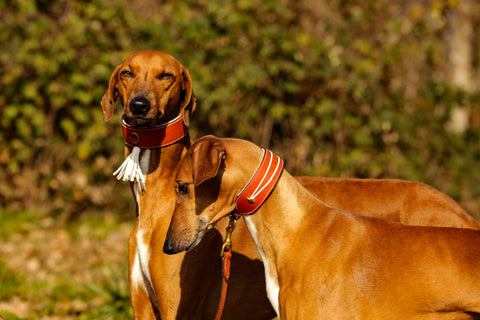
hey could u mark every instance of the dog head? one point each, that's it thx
(209, 179)
(153, 88)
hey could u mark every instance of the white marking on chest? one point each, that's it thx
(136, 276)
(140, 271)
(271, 280)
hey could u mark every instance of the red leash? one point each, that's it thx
(226, 275)
(226, 254)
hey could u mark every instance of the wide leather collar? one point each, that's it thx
(261, 185)
(155, 137)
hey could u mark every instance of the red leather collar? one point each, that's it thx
(155, 137)
(260, 185)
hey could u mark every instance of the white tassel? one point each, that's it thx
(130, 169)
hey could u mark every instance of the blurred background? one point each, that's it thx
(341, 88)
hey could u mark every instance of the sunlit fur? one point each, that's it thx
(329, 263)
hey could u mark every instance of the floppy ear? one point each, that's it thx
(208, 155)
(189, 102)
(110, 96)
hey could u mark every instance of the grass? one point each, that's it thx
(53, 270)
(11, 282)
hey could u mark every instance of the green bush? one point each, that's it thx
(338, 88)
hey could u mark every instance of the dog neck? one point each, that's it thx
(288, 210)
(154, 208)
(271, 225)
(160, 166)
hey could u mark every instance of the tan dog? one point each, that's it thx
(154, 88)
(408, 202)
(322, 262)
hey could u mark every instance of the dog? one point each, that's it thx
(408, 202)
(322, 262)
(153, 89)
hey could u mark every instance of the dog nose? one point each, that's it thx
(139, 106)
(168, 247)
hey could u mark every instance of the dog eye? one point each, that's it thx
(182, 189)
(127, 74)
(165, 76)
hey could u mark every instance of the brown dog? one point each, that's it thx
(322, 262)
(408, 202)
(154, 88)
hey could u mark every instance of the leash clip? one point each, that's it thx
(227, 244)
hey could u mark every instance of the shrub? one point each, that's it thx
(337, 88)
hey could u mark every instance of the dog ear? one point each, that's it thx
(208, 155)
(110, 96)
(189, 101)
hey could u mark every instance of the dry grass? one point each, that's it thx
(52, 270)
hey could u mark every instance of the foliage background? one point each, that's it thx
(350, 88)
